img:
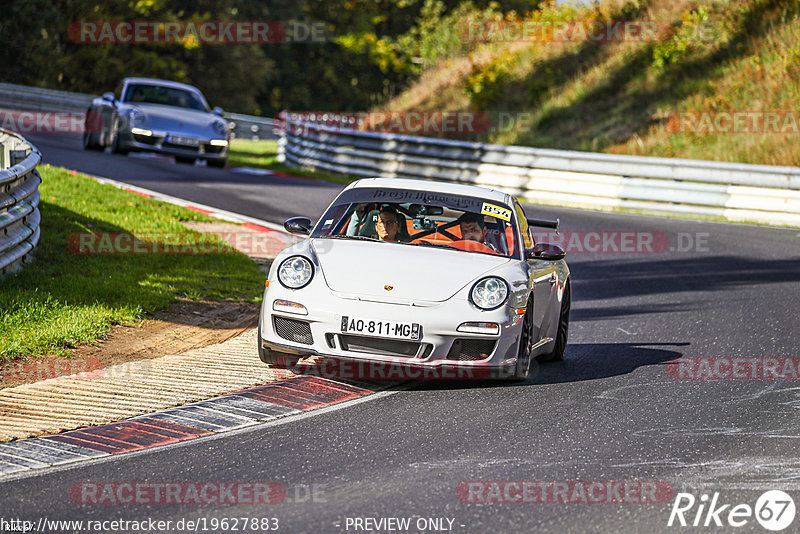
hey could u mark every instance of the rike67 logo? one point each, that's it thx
(774, 510)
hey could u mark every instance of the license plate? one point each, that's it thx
(185, 141)
(369, 327)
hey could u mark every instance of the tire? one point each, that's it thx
(188, 161)
(560, 349)
(218, 163)
(89, 143)
(91, 132)
(115, 146)
(273, 357)
(523, 366)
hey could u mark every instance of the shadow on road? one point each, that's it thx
(584, 361)
(601, 280)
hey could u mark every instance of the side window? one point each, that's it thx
(523, 226)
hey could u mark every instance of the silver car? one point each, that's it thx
(414, 279)
(158, 116)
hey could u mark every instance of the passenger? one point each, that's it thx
(473, 228)
(358, 219)
(390, 225)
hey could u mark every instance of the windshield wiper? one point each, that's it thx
(429, 244)
(343, 236)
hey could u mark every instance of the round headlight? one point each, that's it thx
(295, 272)
(489, 293)
(220, 128)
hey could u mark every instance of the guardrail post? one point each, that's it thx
(17, 156)
(5, 155)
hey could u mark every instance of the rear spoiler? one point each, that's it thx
(544, 223)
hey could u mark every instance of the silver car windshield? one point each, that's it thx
(167, 96)
(419, 218)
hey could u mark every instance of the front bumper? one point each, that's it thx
(157, 143)
(441, 352)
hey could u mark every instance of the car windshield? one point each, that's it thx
(421, 218)
(167, 96)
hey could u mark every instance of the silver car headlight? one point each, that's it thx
(489, 293)
(295, 272)
(220, 128)
(136, 117)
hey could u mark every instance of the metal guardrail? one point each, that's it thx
(36, 99)
(251, 127)
(23, 97)
(756, 193)
(19, 201)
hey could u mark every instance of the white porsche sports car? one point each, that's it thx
(431, 276)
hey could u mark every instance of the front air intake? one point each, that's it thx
(382, 347)
(471, 349)
(293, 330)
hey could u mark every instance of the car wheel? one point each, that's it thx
(91, 131)
(273, 357)
(89, 142)
(523, 365)
(116, 147)
(188, 161)
(218, 163)
(560, 349)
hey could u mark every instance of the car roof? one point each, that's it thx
(434, 187)
(162, 83)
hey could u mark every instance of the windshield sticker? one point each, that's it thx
(408, 196)
(496, 211)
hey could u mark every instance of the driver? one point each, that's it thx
(389, 227)
(473, 228)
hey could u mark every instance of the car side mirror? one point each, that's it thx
(217, 111)
(108, 97)
(298, 225)
(546, 251)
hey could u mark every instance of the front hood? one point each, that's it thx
(365, 269)
(175, 119)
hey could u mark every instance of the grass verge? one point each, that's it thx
(263, 154)
(64, 298)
